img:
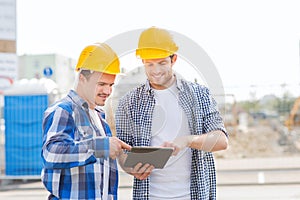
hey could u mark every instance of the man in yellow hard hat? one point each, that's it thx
(168, 111)
(78, 150)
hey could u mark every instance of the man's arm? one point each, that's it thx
(212, 141)
(214, 136)
(60, 150)
(209, 142)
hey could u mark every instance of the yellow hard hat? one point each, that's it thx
(155, 43)
(99, 57)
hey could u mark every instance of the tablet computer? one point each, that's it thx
(156, 156)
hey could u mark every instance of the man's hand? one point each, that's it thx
(176, 148)
(116, 147)
(179, 143)
(141, 171)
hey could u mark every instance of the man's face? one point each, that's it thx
(98, 88)
(159, 72)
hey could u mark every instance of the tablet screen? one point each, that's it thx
(156, 156)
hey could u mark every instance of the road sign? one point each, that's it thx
(48, 71)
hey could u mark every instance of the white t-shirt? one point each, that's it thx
(169, 122)
(97, 122)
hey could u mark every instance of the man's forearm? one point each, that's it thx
(212, 141)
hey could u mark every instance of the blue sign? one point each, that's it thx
(48, 71)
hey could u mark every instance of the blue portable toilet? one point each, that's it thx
(24, 106)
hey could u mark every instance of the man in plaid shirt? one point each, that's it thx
(171, 112)
(78, 150)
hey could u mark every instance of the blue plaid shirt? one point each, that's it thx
(134, 122)
(73, 158)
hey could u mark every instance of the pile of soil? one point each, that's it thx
(261, 140)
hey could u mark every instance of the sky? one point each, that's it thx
(254, 44)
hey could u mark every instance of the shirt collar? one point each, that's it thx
(101, 111)
(179, 83)
(77, 99)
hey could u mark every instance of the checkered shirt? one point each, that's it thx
(74, 159)
(133, 126)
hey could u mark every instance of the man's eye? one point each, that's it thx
(149, 65)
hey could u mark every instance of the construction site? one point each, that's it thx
(37, 69)
(260, 136)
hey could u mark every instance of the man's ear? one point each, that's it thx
(174, 58)
(81, 78)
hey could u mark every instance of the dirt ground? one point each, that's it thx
(263, 139)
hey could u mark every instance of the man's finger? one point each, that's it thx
(125, 145)
(147, 172)
(137, 167)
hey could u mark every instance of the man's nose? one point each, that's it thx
(157, 68)
(107, 89)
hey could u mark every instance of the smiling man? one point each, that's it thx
(78, 150)
(171, 112)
